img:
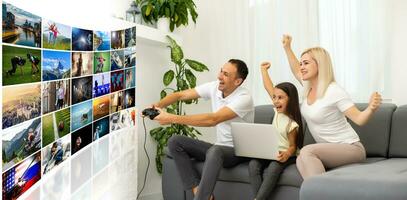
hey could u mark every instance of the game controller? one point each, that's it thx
(151, 113)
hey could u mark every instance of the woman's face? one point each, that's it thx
(280, 100)
(308, 67)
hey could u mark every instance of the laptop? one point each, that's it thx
(255, 140)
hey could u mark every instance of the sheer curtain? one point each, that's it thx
(354, 32)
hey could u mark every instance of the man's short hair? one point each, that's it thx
(241, 67)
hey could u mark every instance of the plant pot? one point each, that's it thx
(163, 24)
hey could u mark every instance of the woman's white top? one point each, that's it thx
(325, 117)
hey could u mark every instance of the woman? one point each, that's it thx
(325, 108)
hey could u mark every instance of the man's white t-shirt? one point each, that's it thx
(325, 118)
(240, 102)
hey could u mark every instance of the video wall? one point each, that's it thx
(63, 88)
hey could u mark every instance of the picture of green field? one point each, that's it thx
(101, 62)
(56, 36)
(61, 43)
(63, 116)
(25, 73)
(55, 125)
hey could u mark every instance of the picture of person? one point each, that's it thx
(81, 89)
(101, 62)
(130, 77)
(81, 115)
(81, 138)
(117, 39)
(56, 36)
(20, 65)
(100, 128)
(55, 125)
(55, 153)
(21, 177)
(117, 60)
(15, 62)
(20, 141)
(117, 101)
(130, 37)
(34, 60)
(117, 81)
(55, 95)
(101, 84)
(82, 63)
(130, 57)
(130, 98)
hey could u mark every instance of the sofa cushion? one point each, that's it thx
(398, 136)
(263, 114)
(386, 179)
(375, 134)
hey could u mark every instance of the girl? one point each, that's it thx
(264, 174)
(325, 108)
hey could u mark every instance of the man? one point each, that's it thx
(60, 96)
(230, 103)
(34, 60)
(15, 62)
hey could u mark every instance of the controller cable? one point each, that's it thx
(148, 158)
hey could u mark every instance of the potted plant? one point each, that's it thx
(176, 12)
(184, 78)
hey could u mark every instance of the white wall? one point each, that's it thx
(398, 52)
(152, 63)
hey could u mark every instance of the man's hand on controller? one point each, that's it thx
(164, 118)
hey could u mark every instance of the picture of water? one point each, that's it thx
(20, 27)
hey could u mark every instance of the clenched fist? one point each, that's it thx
(286, 41)
(375, 101)
(265, 65)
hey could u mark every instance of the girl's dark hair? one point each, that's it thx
(293, 109)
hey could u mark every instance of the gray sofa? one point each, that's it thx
(382, 176)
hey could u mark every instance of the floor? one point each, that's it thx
(106, 170)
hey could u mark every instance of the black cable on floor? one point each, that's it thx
(148, 159)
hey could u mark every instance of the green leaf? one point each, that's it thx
(191, 78)
(176, 52)
(172, 41)
(180, 83)
(163, 94)
(157, 133)
(197, 66)
(158, 163)
(172, 29)
(156, 130)
(148, 10)
(168, 77)
(167, 12)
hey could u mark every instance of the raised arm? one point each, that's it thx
(362, 117)
(182, 95)
(292, 59)
(268, 84)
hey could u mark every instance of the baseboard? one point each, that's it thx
(153, 196)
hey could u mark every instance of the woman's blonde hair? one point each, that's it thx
(325, 70)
